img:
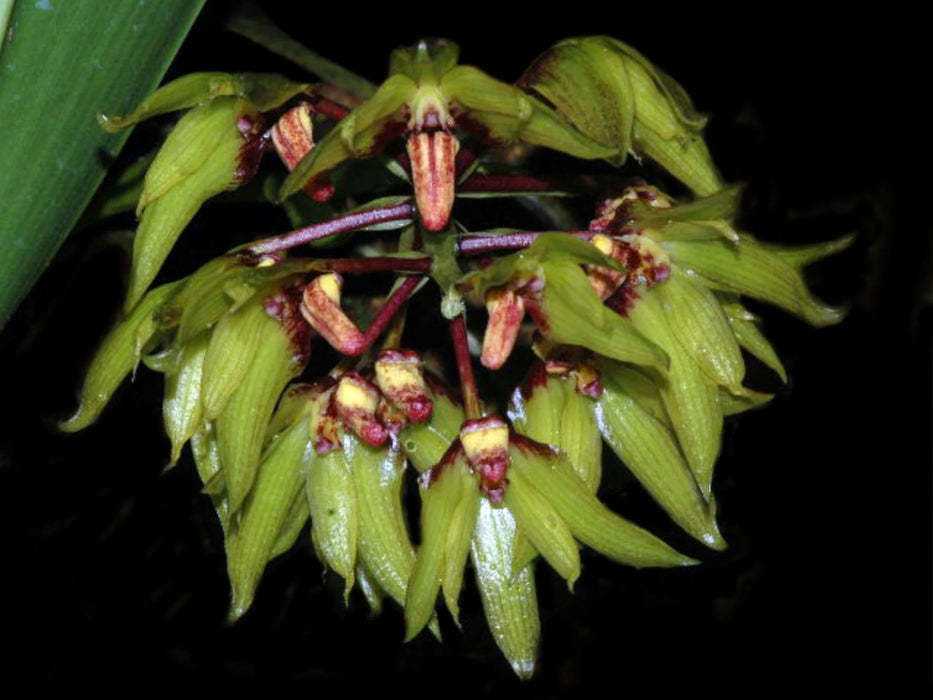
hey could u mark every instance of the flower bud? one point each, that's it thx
(486, 443)
(425, 443)
(292, 135)
(399, 377)
(320, 306)
(506, 311)
(293, 139)
(603, 280)
(356, 402)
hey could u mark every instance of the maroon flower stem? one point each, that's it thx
(391, 307)
(484, 242)
(393, 336)
(340, 224)
(357, 266)
(530, 183)
(329, 108)
(465, 158)
(471, 402)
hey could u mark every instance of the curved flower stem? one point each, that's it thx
(466, 156)
(251, 22)
(340, 224)
(329, 108)
(471, 403)
(488, 242)
(358, 266)
(390, 308)
(393, 336)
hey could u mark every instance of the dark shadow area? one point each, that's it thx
(114, 574)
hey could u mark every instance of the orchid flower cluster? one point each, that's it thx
(634, 325)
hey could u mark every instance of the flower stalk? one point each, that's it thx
(633, 322)
(471, 402)
(402, 211)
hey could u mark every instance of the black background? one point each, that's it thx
(114, 574)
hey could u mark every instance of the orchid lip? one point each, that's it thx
(433, 156)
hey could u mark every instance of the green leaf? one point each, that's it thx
(697, 320)
(264, 91)
(578, 509)
(573, 314)
(542, 523)
(650, 451)
(384, 545)
(334, 516)
(241, 426)
(506, 115)
(104, 56)
(440, 495)
(722, 205)
(510, 602)
(457, 548)
(119, 354)
(755, 270)
(612, 93)
(251, 543)
(181, 409)
(199, 159)
(690, 397)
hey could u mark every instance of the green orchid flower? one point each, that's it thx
(215, 147)
(634, 324)
(427, 100)
(614, 95)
